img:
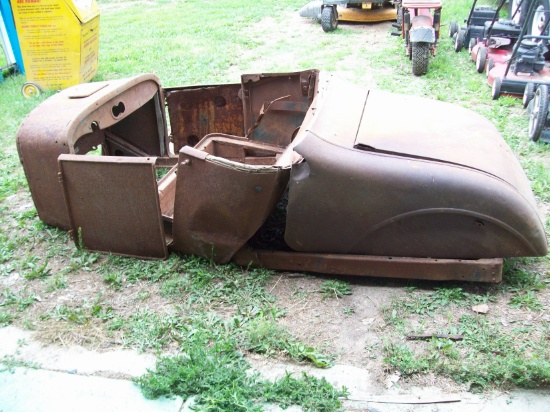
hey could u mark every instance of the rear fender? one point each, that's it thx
(422, 34)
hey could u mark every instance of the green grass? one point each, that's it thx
(217, 377)
(334, 289)
(20, 300)
(487, 356)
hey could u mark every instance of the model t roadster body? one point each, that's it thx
(283, 171)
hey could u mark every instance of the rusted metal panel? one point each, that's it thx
(440, 132)
(283, 98)
(221, 203)
(416, 199)
(65, 123)
(200, 110)
(278, 122)
(482, 270)
(113, 204)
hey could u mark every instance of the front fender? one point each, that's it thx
(422, 34)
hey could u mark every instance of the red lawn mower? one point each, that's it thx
(419, 23)
(518, 72)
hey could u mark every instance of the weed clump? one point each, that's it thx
(218, 378)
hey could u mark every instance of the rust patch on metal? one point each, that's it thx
(198, 111)
(482, 270)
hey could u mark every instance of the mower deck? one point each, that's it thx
(366, 15)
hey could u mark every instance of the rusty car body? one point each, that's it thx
(289, 171)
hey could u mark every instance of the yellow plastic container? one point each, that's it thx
(59, 42)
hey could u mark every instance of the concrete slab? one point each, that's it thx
(75, 359)
(39, 390)
(518, 400)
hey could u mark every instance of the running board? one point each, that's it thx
(480, 270)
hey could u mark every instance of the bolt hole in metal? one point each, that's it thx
(220, 101)
(192, 140)
(118, 109)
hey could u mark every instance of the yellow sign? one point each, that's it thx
(59, 40)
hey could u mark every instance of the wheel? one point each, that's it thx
(540, 17)
(528, 94)
(481, 59)
(30, 90)
(490, 66)
(453, 28)
(539, 112)
(329, 19)
(471, 45)
(420, 58)
(497, 84)
(517, 10)
(459, 41)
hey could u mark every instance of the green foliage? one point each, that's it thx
(312, 394)
(428, 303)
(204, 283)
(77, 315)
(21, 299)
(485, 357)
(5, 318)
(523, 285)
(263, 335)
(81, 259)
(217, 377)
(10, 362)
(82, 314)
(527, 300)
(56, 282)
(118, 268)
(335, 289)
(113, 279)
(35, 270)
(403, 359)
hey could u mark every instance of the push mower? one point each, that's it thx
(494, 44)
(475, 25)
(520, 71)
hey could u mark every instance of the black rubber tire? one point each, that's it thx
(490, 66)
(459, 41)
(453, 28)
(420, 58)
(521, 15)
(481, 59)
(471, 44)
(495, 91)
(528, 94)
(541, 14)
(329, 19)
(539, 112)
